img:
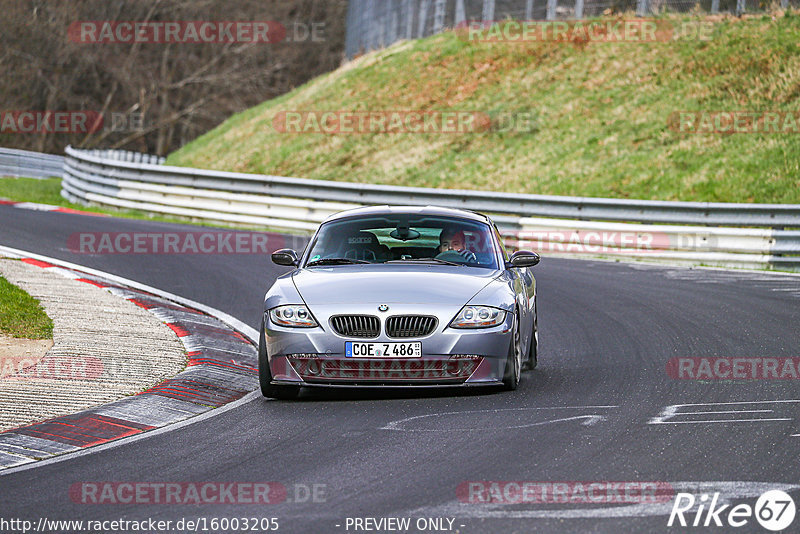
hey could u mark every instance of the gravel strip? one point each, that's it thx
(105, 348)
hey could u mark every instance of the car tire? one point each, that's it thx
(533, 351)
(513, 367)
(265, 375)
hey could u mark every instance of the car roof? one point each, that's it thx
(410, 210)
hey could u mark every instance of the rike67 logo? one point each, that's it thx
(774, 510)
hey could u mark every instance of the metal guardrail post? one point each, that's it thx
(551, 9)
(488, 10)
(578, 9)
(394, 24)
(408, 14)
(529, 9)
(379, 25)
(461, 14)
(438, 15)
(423, 18)
(349, 37)
(371, 25)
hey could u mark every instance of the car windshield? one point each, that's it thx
(404, 239)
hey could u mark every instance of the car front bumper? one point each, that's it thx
(450, 357)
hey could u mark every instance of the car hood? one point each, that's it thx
(386, 284)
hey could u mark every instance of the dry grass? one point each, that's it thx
(601, 111)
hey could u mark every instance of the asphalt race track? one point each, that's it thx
(600, 407)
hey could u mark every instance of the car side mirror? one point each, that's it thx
(285, 256)
(523, 258)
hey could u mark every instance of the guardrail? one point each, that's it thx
(668, 231)
(15, 162)
(126, 155)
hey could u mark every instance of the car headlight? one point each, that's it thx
(292, 315)
(478, 317)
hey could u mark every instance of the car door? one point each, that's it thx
(523, 285)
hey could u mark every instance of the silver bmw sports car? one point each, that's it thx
(399, 296)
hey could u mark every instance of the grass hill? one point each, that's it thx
(604, 117)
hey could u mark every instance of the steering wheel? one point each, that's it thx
(360, 254)
(464, 256)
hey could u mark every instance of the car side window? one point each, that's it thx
(500, 242)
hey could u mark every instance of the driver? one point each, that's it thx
(452, 239)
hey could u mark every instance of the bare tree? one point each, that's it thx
(180, 89)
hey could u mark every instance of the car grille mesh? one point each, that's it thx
(356, 325)
(410, 325)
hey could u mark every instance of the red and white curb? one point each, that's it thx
(222, 368)
(47, 207)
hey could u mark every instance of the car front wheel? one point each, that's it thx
(533, 352)
(265, 375)
(513, 366)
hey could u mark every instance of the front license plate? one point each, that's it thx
(353, 349)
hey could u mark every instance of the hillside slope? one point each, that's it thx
(604, 117)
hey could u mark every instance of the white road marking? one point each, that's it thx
(740, 402)
(63, 272)
(718, 421)
(591, 419)
(730, 491)
(730, 411)
(671, 411)
(35, 206)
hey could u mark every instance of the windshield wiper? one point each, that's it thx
(334, 261)
(437, 260)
